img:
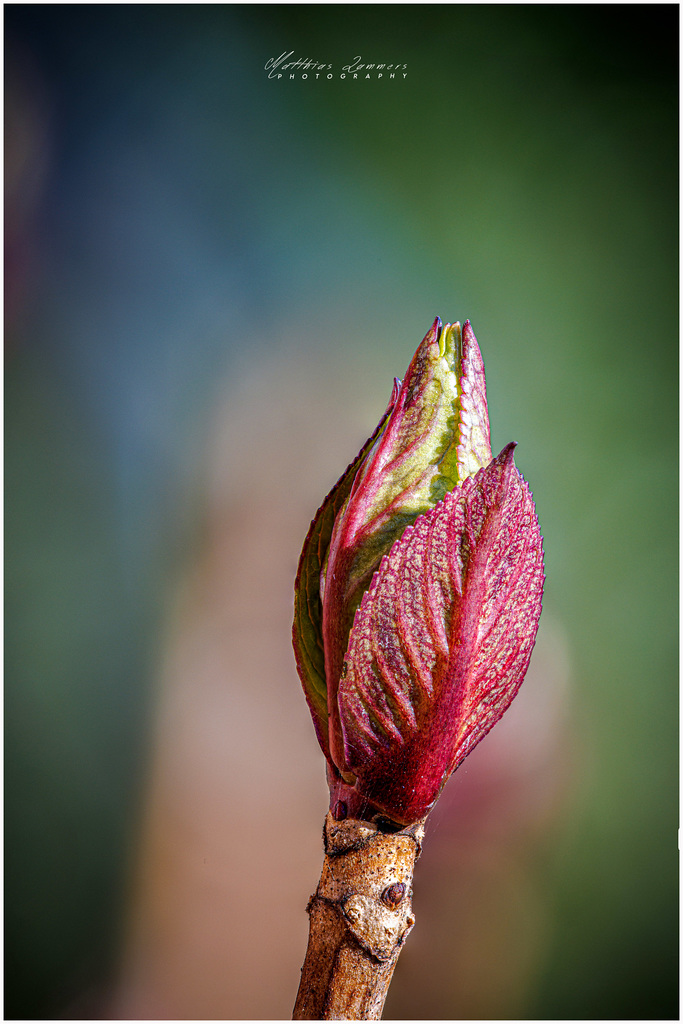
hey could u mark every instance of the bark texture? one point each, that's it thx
(360, 915)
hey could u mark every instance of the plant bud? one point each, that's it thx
(418, 592)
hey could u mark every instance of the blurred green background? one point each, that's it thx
(177, 224)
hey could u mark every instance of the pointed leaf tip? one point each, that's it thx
(474, 447)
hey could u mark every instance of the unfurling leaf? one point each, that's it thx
(442, 640)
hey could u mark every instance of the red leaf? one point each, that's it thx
(442, 640)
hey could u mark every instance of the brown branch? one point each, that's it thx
(360, 917)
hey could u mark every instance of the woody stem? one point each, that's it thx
(360, 916)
